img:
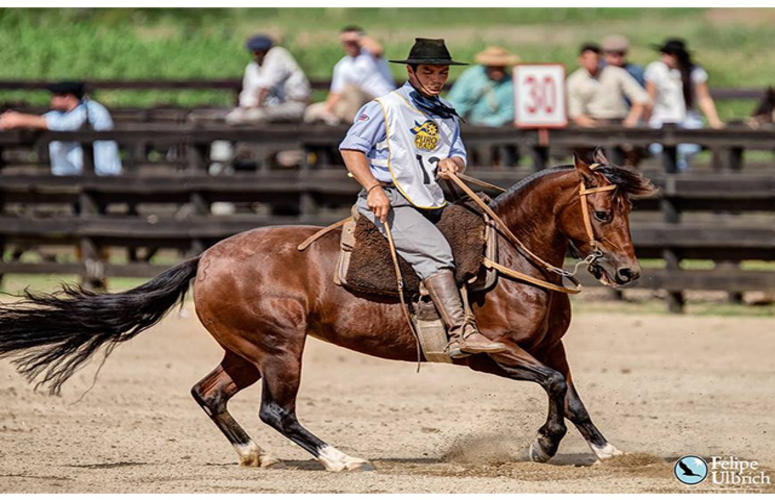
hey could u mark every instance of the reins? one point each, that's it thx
(511, 237)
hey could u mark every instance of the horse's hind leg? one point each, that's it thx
(214, 391)
(575, 410)
(282, 373)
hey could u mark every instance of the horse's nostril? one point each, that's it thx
(626, 274)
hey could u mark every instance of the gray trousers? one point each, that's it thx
(416, 238)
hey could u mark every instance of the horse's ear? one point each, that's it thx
(600, 157)
(582, 167)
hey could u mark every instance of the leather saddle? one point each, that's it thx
(365, 265)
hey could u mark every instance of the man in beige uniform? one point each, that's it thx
(596, 94)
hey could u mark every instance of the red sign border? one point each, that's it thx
(516, 100)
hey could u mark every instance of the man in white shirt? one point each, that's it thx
(274, 88)
(360, 76)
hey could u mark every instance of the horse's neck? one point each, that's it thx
(531, 213)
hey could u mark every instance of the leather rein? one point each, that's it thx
(505, 231)
(590, 259)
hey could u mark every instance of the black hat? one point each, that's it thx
(671, 46)
(429, 51)
(67, 87)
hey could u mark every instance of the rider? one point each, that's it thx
(394, 149)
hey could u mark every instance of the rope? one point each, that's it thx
(516, 241)
(400, 285)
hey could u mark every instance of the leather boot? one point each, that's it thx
(464, 336)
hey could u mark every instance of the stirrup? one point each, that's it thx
(453, 350)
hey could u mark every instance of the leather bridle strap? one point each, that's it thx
(583, 192)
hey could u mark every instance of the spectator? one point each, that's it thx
(360, 76)
(596, 93)
(676, 84)
(484, 94)
(615, 48)
(274, 88)
(71, 111)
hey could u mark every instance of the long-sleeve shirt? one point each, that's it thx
(67, 157)
(482, 101)
(603, 96)
(280, 74)
(368, 135)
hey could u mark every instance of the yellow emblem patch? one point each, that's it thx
(426, 135)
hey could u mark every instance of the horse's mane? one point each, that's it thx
(629, 182)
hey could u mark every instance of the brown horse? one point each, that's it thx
(260, 297)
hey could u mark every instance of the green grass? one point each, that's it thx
(207, 43)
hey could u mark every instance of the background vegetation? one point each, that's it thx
(734, 45)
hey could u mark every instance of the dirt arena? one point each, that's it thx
(657, 386)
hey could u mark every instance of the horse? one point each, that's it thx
(260, 297)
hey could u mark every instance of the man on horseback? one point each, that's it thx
(395, 149)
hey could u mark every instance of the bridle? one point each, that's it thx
(583, 193)
(589, 260)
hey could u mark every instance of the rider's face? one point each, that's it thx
(431, 78)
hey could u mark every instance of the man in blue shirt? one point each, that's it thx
(484, 94)
(395, 148)
(615, 48)
(71, 111)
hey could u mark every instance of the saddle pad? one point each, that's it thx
(371, 271)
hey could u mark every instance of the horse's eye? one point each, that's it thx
(603, 216)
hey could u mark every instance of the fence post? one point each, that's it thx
(93, 272)
(672, 215)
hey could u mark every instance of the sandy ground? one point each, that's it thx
(657, 386)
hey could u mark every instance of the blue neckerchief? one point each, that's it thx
(432, 105)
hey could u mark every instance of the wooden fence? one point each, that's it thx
(722, 215)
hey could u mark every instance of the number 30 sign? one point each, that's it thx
(539, 96)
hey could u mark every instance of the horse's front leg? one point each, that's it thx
(518, 364)
(574, 408)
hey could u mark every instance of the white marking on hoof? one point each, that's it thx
(336, 461)
(605, 452)
(251, 455)
(537, 454)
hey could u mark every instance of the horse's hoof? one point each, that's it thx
(537, 453)
(606, 452)
(361, 467)
(255, 460)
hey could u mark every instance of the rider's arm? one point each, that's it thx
(366, 132)
(14, 119)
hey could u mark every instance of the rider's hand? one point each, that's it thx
(447, 166)
(378, 203)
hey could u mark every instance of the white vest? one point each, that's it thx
(415, 145)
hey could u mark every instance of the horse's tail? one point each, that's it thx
(50, 335)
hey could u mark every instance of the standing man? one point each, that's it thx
(70, 111)
(395, 149)
(274, 87)
(615, 49)
(596, 93)
(361, 75)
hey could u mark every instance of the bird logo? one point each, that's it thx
(690, 469)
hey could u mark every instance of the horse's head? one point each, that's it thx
(596, 220)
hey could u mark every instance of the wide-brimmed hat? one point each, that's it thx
(496, 56)
(671, 46)
(615, 43)
(429, 51)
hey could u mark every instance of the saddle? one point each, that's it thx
(365, 265)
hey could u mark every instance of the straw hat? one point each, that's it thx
(496, 56)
